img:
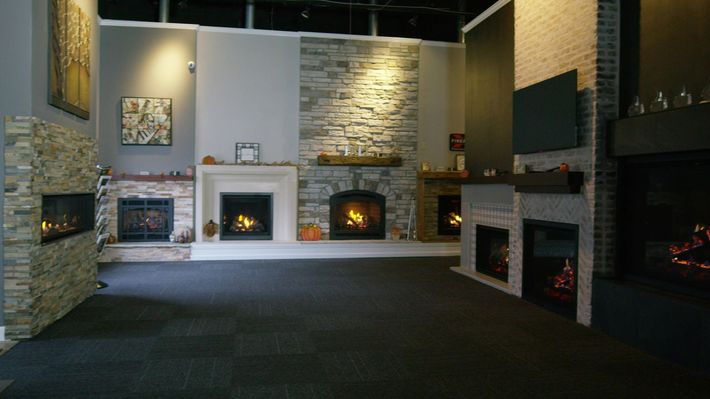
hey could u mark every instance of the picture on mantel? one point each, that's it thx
(146, 121)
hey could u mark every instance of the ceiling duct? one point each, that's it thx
(249, 15)
(163, 11)
(373, 26)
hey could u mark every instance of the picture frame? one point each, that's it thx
(457, 142)
(146, 121)
(460, 162)
(247, 153)
(69, 53)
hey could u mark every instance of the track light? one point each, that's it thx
(306, 13)
(413, 21)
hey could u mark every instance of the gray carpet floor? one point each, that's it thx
(369, 328)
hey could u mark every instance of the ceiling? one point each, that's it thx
(428, 20)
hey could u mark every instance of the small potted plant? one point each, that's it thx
(310, 232)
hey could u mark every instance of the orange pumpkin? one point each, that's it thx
(208, 160)
(564, 167)
(310, 232)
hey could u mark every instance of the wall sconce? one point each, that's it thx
(191, 66)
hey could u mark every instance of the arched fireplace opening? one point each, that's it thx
(357, 215)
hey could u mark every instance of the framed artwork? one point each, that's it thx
(146, 121)
(247, 152)
(457, 142)
(69, 58)
(460, 162)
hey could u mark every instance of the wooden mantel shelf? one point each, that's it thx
(440, 175)
(343, 160)
(548, 182)
(123, 177)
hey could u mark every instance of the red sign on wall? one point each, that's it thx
(457, 142)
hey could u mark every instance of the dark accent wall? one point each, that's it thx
(664, 46)
(489, 93)
(147, 62)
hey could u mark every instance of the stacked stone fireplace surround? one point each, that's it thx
(44, 282)
(552, 38)
(354, 93)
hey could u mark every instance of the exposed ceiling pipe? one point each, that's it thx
(249, 20)
(164, 11)
(373, 25)
(462, 21)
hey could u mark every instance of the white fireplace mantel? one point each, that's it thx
(280, 181)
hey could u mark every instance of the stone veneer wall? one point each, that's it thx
(182, 193)
(552, 37)
(432, 190)
(44, 282)
(357, 92)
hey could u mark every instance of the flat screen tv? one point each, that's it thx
(545, 115)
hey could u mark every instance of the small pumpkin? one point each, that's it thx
(564, 167)
(210, 229)
(208, 160)
(310, 232)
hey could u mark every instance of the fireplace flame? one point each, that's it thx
(561, 285)
(453, 219)
(696, 252)
(356, 220)
(244, 223)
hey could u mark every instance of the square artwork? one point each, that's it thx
(146, 121)
(247, 153)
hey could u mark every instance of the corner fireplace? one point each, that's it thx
(664, 235)
(492, 249)
(449, 215)
(357, 215)
(66, 214)
(550, 265)
(246, 216)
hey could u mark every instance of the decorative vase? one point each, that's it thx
(660, 103)
(310, 232)
(636, 108)
(683, 99)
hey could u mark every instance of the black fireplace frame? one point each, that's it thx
(87, 211)
(145, 236)
(267, 235)
(567, 311)
(481, 242)
(353, 195)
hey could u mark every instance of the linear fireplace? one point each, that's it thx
(246, 216)
(66, 214)
(357, 215)
(550, 265)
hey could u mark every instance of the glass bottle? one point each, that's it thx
(683, 99)
(636, 108)
(659, 103)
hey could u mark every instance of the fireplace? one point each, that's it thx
(449, 215)
(145, 219)
(66, 214)
(492, 252)
(664, 235)
(357, 215)
(246, 216)
(550, 265)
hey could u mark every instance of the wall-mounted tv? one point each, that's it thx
(545, 115)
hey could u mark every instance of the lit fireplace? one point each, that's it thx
(449, 212)
(550, 265)
(357, 215)
(66, 214)
(492, 252)
(246, 216)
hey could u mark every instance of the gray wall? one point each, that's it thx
(442, 77)
(247, 91)
(15, 86)
(147, 62)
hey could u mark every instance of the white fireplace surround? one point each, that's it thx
(280, 181)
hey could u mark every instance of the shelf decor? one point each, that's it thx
(247, 153)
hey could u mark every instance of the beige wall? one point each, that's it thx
(442, 76)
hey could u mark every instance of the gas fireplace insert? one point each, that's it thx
(357, 215)
(66, 214)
